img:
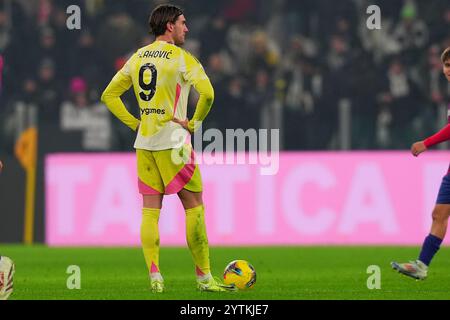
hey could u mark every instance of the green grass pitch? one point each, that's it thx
(291, 273)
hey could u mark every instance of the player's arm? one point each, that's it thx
(196, 76)
(111, 98)
(1, 166)
(421, 146)
(204, 103)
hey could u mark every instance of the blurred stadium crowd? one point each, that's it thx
(288, 64)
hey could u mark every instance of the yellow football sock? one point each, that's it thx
(150, 238)
(197, 239)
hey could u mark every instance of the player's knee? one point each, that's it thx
(191, 203)
(153, 201)
(440, 215)
(190, 199)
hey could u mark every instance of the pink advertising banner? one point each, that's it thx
(318, 198)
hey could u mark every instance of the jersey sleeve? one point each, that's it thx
(441, 136)
(193, 73)
(191, 69)
(204, 104)
(119, 84)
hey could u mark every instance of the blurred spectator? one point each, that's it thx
(440, 22)
(304, 86)
(49, 97)
(402, 100)
(83, 59)
(259, 111)
(336, 88)
(20, 114)
(93, 120)
(264, 53)
(48, 48)
(117, 36)
(213, 36)
(435, 88)
(339, 54)
(411, 33)
(5, 36)
(216, 70)
(236, 111)
(237, 42)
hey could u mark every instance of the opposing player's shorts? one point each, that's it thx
(444, 191)
(168, 171)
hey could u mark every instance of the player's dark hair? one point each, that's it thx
(162, 15)
(445, 55)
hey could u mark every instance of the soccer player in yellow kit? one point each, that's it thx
(161, 74)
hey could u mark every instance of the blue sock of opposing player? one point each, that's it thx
(429, 248)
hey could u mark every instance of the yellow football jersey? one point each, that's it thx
(162, 75)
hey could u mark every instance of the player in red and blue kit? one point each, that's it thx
(418, 269)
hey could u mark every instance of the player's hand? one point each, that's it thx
(417, 148)
(1, 166)
(183, 123)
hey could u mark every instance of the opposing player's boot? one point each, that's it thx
(214, 285)
(414, 269)
(7, 270)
